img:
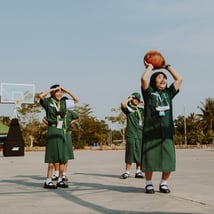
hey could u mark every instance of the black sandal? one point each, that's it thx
(139, 175)
(54, 178)
(50, 185)
(125, 175)
(62, 184)
(164, 188)
(149, 190)
(64, 178)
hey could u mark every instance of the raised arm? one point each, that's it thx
(42, 95)
(176, 76)
(124, 102)
(76, 100)
(145, 76)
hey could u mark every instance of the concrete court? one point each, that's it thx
(95, 185)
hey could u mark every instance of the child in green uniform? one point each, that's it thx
(158, 150)
(134, 126)
(56, 147)
(71, 117)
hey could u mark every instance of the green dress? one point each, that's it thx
(158, 150)
(133, 134)
(56, 147)
(70, 115)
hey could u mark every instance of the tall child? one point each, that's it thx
(158, 151)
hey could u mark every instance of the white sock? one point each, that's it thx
(48, 180)
(149, 182)
(163, 182)
(138, 170)
(64, 173)
(56, 173)
(59, 179)
(128, 172)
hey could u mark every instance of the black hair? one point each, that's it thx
(54, 86)
(153, 77)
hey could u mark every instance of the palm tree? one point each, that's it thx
(207, 118)
(186, 129)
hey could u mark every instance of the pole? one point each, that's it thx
(185, 129)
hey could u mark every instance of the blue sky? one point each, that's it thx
(95, 48)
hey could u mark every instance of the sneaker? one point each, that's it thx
(64, 178)
(54, 178)
(125, 175)
(50, 185)
(139, 175)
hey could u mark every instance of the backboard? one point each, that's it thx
(13, 92)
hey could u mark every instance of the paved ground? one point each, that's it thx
(95, 185)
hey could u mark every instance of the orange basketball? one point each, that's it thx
(155, 58)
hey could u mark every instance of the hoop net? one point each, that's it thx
(17, 105)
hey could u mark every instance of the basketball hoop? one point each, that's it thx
(13, 92)
(17, 94)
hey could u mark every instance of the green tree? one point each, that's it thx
(28, 116)
(120, 119)
(89, 129)
(194, 135)
(186, 130)
(35, 133)
(199, 127)
(5, 120)
(206, 121)
(179, 136)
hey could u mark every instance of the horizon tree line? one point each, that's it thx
(192, 129)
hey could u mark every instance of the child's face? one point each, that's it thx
(160, 82)
(135, 101)
(58, 94)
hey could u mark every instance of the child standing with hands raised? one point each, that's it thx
(158, 150)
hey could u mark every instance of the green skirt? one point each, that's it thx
(56, 147)
(158, 155)
(133, 150)
(69, 145)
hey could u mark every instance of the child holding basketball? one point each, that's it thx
(158, 150)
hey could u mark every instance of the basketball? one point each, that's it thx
(155, 58)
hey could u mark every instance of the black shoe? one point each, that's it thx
(125, 175)
(139, 175)
(62, 184)
(164, 188)
(50, 185)
(149, 190)
(64, 178)
(54, 178)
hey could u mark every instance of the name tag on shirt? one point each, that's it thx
(59, 124)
